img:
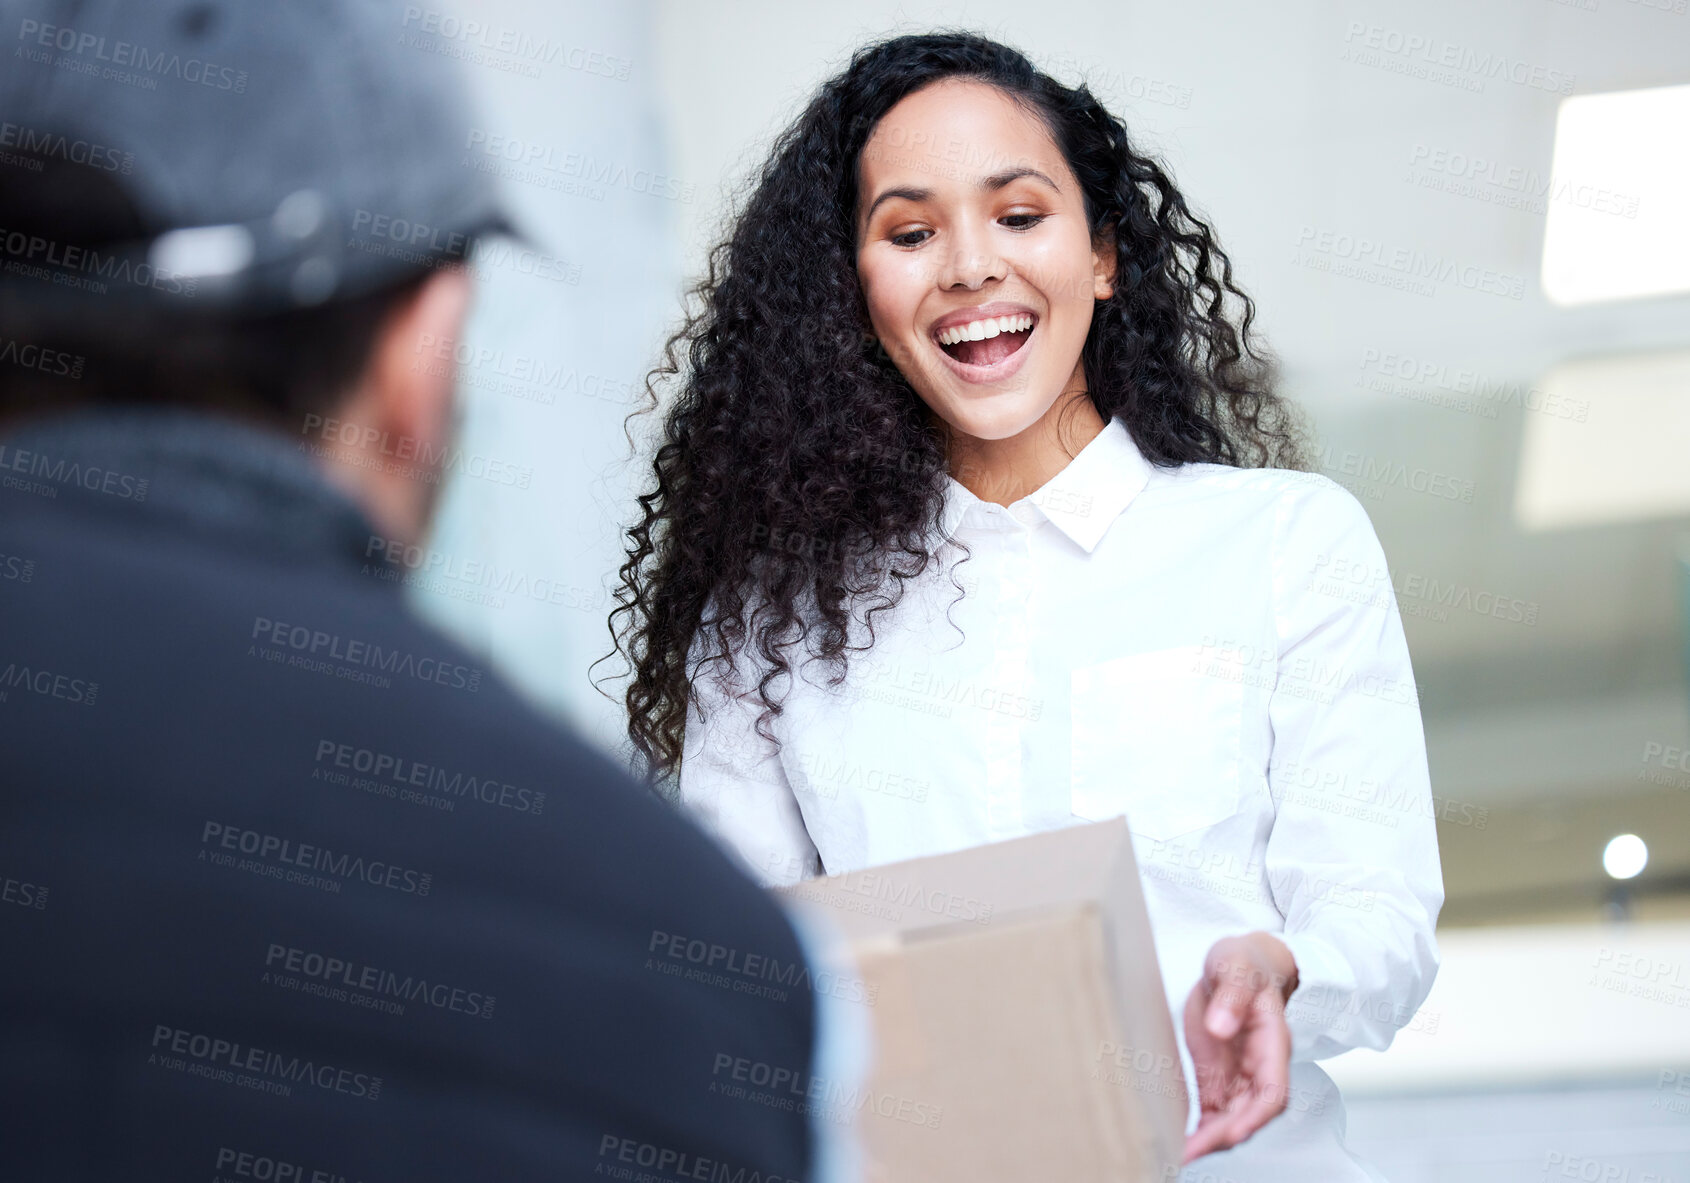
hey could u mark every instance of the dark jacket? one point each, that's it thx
(294, 888)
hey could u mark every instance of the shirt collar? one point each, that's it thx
(1082, 500)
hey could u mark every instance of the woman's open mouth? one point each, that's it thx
(982, 349)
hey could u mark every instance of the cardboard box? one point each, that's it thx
(1022, 1032)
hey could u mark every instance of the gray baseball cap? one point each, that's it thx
(272, 155)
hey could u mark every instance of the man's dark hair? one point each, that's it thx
(273, 367)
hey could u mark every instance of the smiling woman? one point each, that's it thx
(970, 423)
(796, 417)
(984, 285)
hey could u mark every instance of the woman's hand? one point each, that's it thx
(1239, 1043)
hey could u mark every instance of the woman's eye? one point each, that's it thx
(1023, 221)
(909, 238)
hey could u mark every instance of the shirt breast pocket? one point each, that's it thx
(1156, 737)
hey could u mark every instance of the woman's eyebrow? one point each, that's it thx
(906, 193)
(991, 184)
(999, 180)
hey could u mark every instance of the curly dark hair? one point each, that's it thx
(799, 478)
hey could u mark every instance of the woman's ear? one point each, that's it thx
(1104, 260)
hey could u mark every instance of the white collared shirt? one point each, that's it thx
(1214, 652)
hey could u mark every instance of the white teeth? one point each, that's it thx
(979, 330)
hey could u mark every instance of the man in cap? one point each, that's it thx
(291, 888)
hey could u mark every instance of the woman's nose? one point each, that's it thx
(970, 261)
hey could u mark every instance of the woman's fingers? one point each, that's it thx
(1240, 1047)
(1266, 1066)
(1228, 1007)
(1205, 1139)
(1234, 976)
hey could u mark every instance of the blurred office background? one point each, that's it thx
(1467, 228)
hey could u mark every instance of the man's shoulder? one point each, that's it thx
(324, 686)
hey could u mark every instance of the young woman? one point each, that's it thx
(962, 529)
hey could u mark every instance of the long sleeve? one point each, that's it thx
(732, 781)
(1352, 858)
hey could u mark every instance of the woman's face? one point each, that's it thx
(975, 257)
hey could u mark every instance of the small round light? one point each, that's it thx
(1625, 856)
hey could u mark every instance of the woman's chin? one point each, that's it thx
(999, 416)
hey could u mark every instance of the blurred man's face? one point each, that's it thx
(394, 427)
